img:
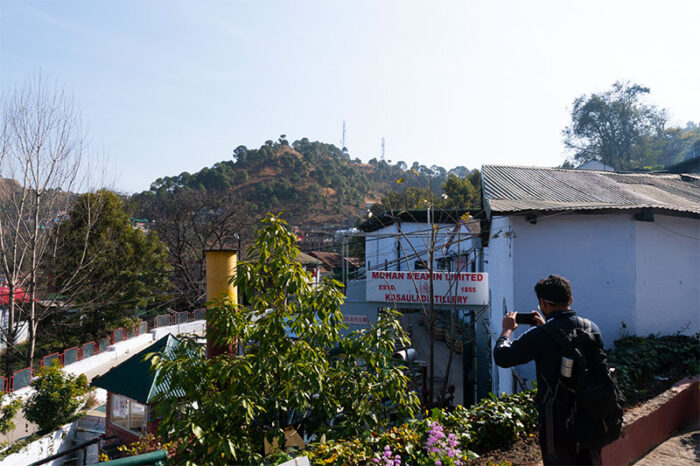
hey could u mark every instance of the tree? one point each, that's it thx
(293, 369)
(189, 221)
(120, 268)
(460, 193)
(41, 148)
(612, 127)
(57, 398)
(674, 145)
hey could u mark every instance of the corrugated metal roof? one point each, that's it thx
(134, 378)
(411, 216)
(306, 259)
(509, 189)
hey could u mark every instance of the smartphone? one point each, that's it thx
(524, 318)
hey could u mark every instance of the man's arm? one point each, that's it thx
(520, 351)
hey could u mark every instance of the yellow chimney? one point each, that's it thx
(221, 265)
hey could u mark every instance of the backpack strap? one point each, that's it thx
(549, 417)
(562, 340)
(565, 344)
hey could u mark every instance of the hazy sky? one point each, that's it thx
(167, 87)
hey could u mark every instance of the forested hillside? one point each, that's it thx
(312, 183)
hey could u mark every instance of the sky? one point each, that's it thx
(169, 86)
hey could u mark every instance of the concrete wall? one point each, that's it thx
(197, 326)
(668, 281)
(50, 444)
(498, 263)
(643, 275)
(120, 349)
(595, 252)
(355, 304)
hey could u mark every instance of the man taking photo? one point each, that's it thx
(543, 344)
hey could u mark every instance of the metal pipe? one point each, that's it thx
(71, 450)
(156, 458)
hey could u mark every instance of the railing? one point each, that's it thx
(23, 377)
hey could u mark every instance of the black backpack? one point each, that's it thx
(590, 400)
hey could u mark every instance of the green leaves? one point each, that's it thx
(615, 127)
(103, 266)
(57, 398)
(638, 360)
(494, 423)
(292, 367)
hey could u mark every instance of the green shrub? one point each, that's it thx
(57, 399)
(638, 360)
(495, 422)
(7, 414)
(499, 422)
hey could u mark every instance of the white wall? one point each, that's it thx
(414, 238)
(642, 274)
(49, 444)
(498, 263)
(198, 326)
(668, 284)
(595, 252)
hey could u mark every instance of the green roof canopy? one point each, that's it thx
(306, 259)
(134, 378)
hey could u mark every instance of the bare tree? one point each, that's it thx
(189, 222)
(41, 146)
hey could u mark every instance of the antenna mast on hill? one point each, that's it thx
(343, 143)
(382, 148)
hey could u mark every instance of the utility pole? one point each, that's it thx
(431, 300)
(382, 148)
(342, 262)
(343, 136)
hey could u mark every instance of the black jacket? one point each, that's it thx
(538, 345)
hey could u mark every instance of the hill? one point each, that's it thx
(312, 183)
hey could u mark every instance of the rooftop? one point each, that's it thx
(388, 218)
(134, 378)
(511, 189)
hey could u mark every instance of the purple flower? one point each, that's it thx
(375, 460)
(438, 463)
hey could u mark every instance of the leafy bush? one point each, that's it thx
(447, 438)
(638, 360)
(499, 422)
(146, 444)
(417, 442)
(294, 367)
(57, 399)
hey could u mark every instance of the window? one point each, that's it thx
(129, 414)
(444, 264)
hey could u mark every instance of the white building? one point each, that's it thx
(401, 240)
(629, 244)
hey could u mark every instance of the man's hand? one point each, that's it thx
(539, 320)
(509, 324)
(509, 321)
